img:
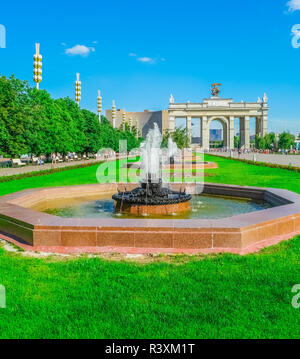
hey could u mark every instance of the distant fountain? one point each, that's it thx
(151, 197)
(172, 150)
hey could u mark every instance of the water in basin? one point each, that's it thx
(202, 207)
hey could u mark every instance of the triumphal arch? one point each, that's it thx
(225, 111)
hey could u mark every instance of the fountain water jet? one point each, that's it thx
(151, 197)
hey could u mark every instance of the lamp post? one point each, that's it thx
(77, 89)
(99, 105)
(113, 113)
(37, 66)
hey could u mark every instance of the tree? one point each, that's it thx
(237, 142)
(179, 136)
(270, 141)
(286, 140)
(32, 122)
(11, 118)
(91, 129)
(260, 142)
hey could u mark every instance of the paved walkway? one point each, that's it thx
(47, 166)
(294, 160)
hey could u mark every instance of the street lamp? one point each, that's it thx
(37, 66)
(77, 89)
(113, 113)
(99, 105)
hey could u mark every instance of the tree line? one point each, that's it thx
(284, 141)
(32, 122)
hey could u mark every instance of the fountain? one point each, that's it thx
(85, 218)
(151, 197)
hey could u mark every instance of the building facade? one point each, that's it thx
(215, 108)
(141, 120)
(224, 111)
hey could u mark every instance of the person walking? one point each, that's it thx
(53, 158)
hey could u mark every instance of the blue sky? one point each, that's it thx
(138, 52)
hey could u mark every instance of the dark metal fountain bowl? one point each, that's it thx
(152, 197)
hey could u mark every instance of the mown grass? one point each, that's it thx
(234, 172)
(225, 296)
(222, 296)
(86, 175)
(229, 171)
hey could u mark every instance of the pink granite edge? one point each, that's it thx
(254, 248)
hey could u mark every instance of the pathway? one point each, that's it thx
(30, 168)
(286, 160)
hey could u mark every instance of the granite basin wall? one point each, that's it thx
(18, 219)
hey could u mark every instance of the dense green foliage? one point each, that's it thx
(31, 122)
(237, 142)
(286, 140)
(179, 136)
(269, 142)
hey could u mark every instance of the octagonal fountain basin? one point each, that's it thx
(83, 218)
(204, 206)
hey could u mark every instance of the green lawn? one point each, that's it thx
(229, 171)
(222, 296)
(235, 172)
(225, 296)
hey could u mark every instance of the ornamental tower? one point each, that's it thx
(37, 66)
(113, 114)
(77, 89)
(99, 105)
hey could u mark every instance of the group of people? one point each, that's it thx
(69, 157)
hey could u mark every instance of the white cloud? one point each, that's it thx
(80, 50)
(63, 44)
(145, 59)
(293, 5)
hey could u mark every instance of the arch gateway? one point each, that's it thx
(225, 111)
